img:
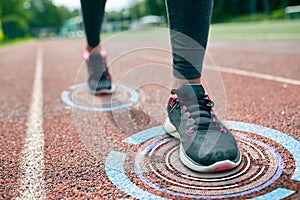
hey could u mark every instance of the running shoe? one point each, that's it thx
(206, 145)
(99, 80)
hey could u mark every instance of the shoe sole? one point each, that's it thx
(188, 162)
(103, 91)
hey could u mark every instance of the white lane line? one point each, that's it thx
(253, 74)
(230, 70)
(32, 165)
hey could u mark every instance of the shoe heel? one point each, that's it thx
(170, 129)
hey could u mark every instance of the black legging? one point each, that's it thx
(189, 22)
(92, 14)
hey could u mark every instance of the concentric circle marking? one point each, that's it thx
(158, 160)
(168, 170)
(80, 97)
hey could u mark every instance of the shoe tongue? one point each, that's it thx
(191, 91)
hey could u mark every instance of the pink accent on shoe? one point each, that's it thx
(223, 130)
(190, 122)
(173, 96)
(190, 131)
(207, 96)
(172, 100)
(103, 53)
(183, 109)
(186, 115)
(222, 168)
(107, 76)
(86, 55)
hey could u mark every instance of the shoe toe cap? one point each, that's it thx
(209, 150)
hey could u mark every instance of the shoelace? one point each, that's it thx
(194, 110)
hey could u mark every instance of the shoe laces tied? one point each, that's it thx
(192, 109)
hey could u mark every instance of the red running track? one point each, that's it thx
(67, 169)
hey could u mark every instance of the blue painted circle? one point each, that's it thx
(290, 143)
(140, 157)
(133, 98)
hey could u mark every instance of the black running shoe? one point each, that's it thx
(206, 145)
(99, 80)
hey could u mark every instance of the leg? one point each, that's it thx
(99, 80)
(189, 26)
(92, 13)
(206, 145)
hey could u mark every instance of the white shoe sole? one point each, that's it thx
(188, 162)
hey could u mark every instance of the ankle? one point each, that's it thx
(98, 49)
(177, 82)
(95, 49)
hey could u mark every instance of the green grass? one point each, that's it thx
(150, 33)
(263, 30)
(4, 43)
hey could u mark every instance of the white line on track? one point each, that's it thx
(254, 74)
(32, 165)
(231, 71)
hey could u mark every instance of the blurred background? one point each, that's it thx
(27, 19)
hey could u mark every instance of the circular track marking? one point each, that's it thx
(161, 159)
(158, 156)
(79, 97)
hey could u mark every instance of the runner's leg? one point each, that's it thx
(189, 23)
(92, 13)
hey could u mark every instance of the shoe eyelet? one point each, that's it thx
(190, 122)
(223, 130)
(190, 131)
(183, 109)
(186, 115)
